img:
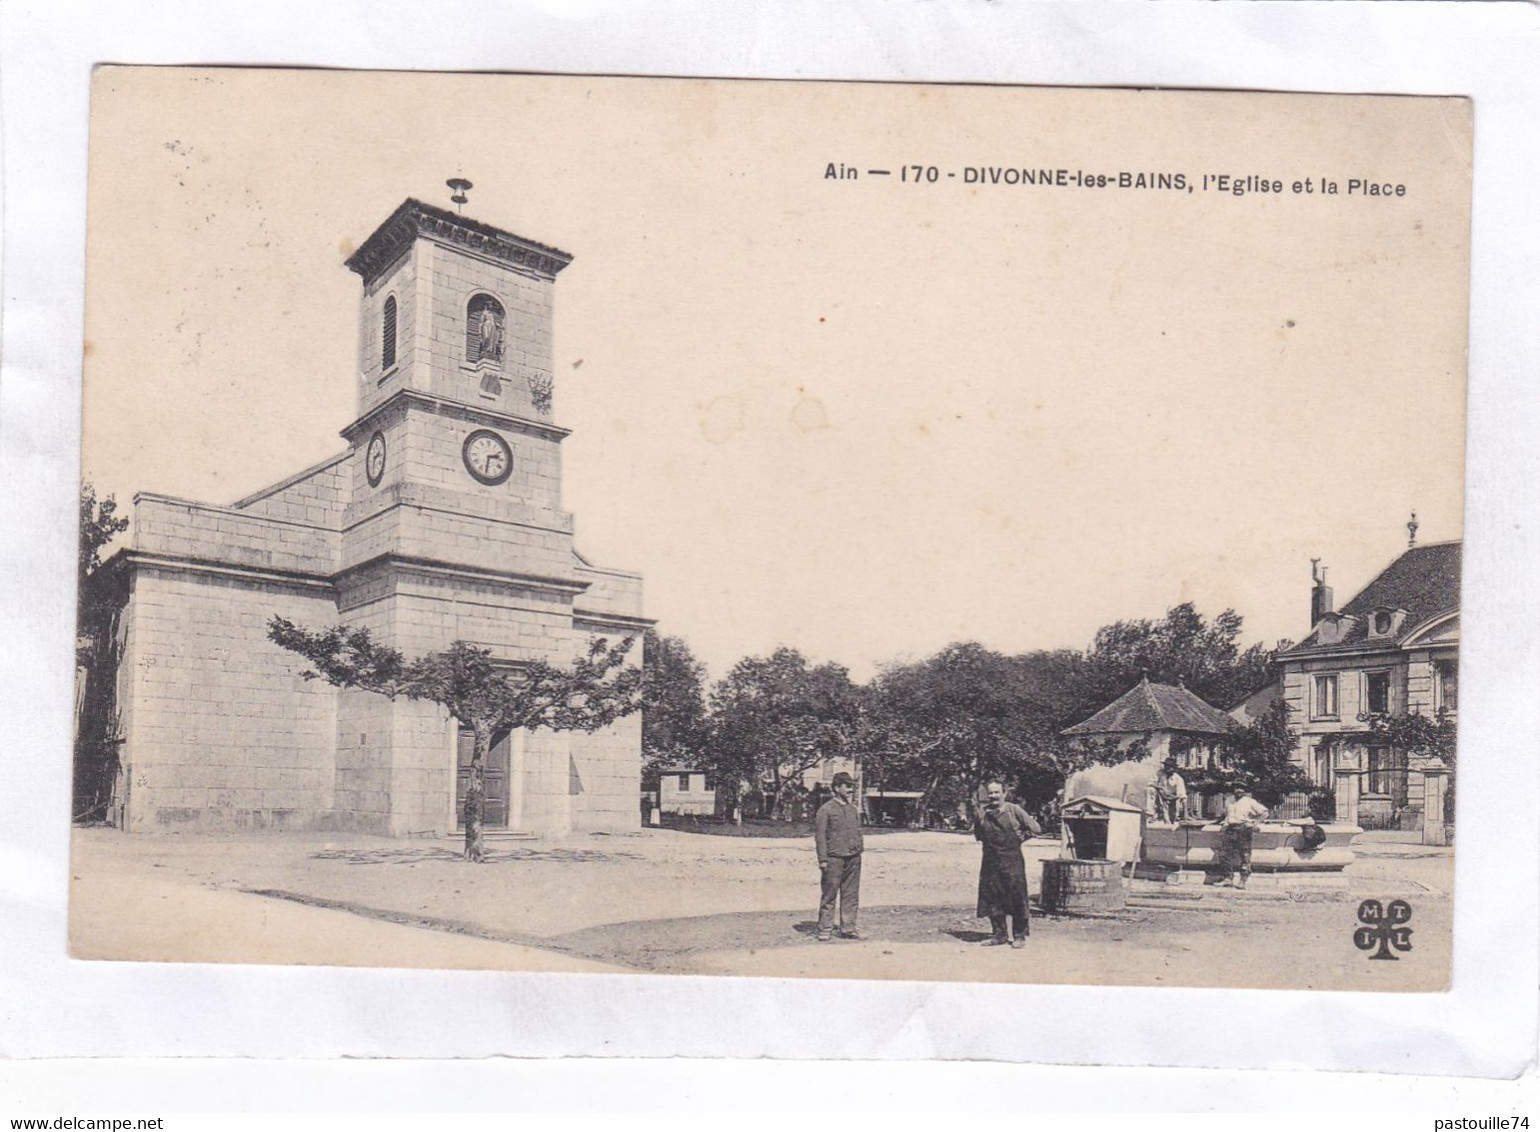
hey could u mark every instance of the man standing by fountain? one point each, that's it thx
(1002, 828)
(1240, 821)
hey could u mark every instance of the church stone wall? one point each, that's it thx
(361, 779)
(608, 764)
(225, 734)
(610, 591)
(223, 534)
(316, 497)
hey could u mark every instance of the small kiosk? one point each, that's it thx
(1100, 829)
(1101, 835)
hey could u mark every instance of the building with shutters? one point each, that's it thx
(1392, 650)
(441, 520)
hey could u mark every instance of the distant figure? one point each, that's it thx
(1240, 821)
(1170, 794)
(837, 837)
(1002, 827)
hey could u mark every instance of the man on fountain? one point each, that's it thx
(1170, 794)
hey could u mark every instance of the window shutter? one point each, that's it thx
(388, 335)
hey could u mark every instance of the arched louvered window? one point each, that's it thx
(388, 335)
(484, 321)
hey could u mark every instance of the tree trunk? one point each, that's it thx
(475, 793)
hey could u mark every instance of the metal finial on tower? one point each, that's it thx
(1411, 531)
(460, 186)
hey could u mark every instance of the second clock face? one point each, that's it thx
(374, 459)
(487, 456)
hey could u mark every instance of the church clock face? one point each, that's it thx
(374, 459)
(488, 457)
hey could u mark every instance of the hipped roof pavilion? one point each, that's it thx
(1148, 707)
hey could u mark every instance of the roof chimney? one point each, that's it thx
(1320, 593)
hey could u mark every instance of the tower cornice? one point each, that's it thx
(472, 414)
(415, 219)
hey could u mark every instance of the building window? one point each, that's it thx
(1377, 693)
(388, 335)
(1322, 764)
(1382, 621)
(1448, 673)
(484, 321)
(1387, 774)
(1326, 696)
(684, 783)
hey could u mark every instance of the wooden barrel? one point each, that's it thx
(1082, 886)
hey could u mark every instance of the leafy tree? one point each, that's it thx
(483, 695)
(97, 652)
(99, 525)
(674, 728)
(1416, 734)
(775, 717)
(1182, 648)
(968, 714)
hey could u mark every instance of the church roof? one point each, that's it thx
(413, 218)
(1155, 707)
(1424, 581)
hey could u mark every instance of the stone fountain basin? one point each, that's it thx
(1276, 846)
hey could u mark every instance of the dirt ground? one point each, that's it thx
(673, 902)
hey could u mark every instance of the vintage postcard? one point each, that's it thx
(854, 530)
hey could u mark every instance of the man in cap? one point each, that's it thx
(837, 836)
(1170, 793)
(1001, 829)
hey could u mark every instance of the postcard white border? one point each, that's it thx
(1486, 1026)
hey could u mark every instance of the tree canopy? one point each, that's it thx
(674, 727)
(775, 717)
(1181, 648)
(945, 724)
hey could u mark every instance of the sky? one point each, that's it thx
(863, 417)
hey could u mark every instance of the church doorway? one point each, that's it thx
(495, 804)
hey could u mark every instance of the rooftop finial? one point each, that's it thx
(1411, 531)
(460, 186)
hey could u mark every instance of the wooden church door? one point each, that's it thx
(495, 803)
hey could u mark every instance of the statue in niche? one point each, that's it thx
(489, 335)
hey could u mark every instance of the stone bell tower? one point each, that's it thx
(456, 457)
(455, 528)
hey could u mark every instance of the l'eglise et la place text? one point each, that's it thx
(1326, 186)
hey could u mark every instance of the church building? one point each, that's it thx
(442, 520)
